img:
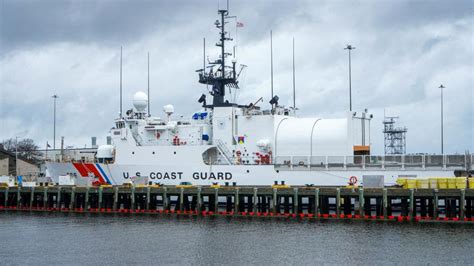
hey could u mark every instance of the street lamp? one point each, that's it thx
(441, 87)
(349, 48)
(54, 123)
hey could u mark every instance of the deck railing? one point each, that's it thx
(376, 162)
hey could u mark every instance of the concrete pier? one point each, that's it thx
(302, 202)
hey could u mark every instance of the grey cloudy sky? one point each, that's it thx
(404, 51)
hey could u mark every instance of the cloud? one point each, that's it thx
(404, 50)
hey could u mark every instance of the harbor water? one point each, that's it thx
(59, 238)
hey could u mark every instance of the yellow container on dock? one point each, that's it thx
(402, 182)
(433, 182)
(461, 182)
(411, 183)
(442, 182)
(451, 182)
(422, 183)
(471, 182)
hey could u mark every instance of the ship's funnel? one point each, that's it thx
(140, 101)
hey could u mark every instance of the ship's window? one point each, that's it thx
(174, 152)
(153, 152)
(278, 171)
(248, 171)
(133, 152)
(130, 126)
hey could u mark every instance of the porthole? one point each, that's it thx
(248, 171)
(278, 171)
(174, 152)
(153, 152)
(133, 152)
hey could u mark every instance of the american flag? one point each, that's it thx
(239, 24)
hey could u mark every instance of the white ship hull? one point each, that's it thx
(242, 175)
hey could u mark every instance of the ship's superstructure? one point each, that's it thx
(229, 142)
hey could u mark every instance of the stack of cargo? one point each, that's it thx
(436, 183)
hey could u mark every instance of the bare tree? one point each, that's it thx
(26, 148)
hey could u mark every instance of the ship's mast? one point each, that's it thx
(220, 78)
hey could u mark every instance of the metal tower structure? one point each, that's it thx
(395, 137)
(224, 76)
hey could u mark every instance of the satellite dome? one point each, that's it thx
(168, 109)
(140, 101)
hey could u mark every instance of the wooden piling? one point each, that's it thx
(411, 209)
(181, 199)
(99, 204)
(199, 200)
(86, 200)
(316, 202)
(148, 193)
(435, 204)
(361, 202)
(32, 197)
(115, 207)
(295, 200)
(255, 199)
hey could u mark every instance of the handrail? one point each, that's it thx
(376, 161)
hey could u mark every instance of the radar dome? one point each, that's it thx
(168, 109)
(140, 101)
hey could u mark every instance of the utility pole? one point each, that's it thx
(441, 87)
(54, 121)
(349, 48)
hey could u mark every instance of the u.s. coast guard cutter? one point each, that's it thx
(230, 142)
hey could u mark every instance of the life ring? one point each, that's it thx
(353, 180)
(158, 135)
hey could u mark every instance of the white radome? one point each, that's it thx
(168, 109)
(140, 101)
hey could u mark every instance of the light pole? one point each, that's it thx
(54, 122)
(16, 155)
(441, 87)
(349, 48)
